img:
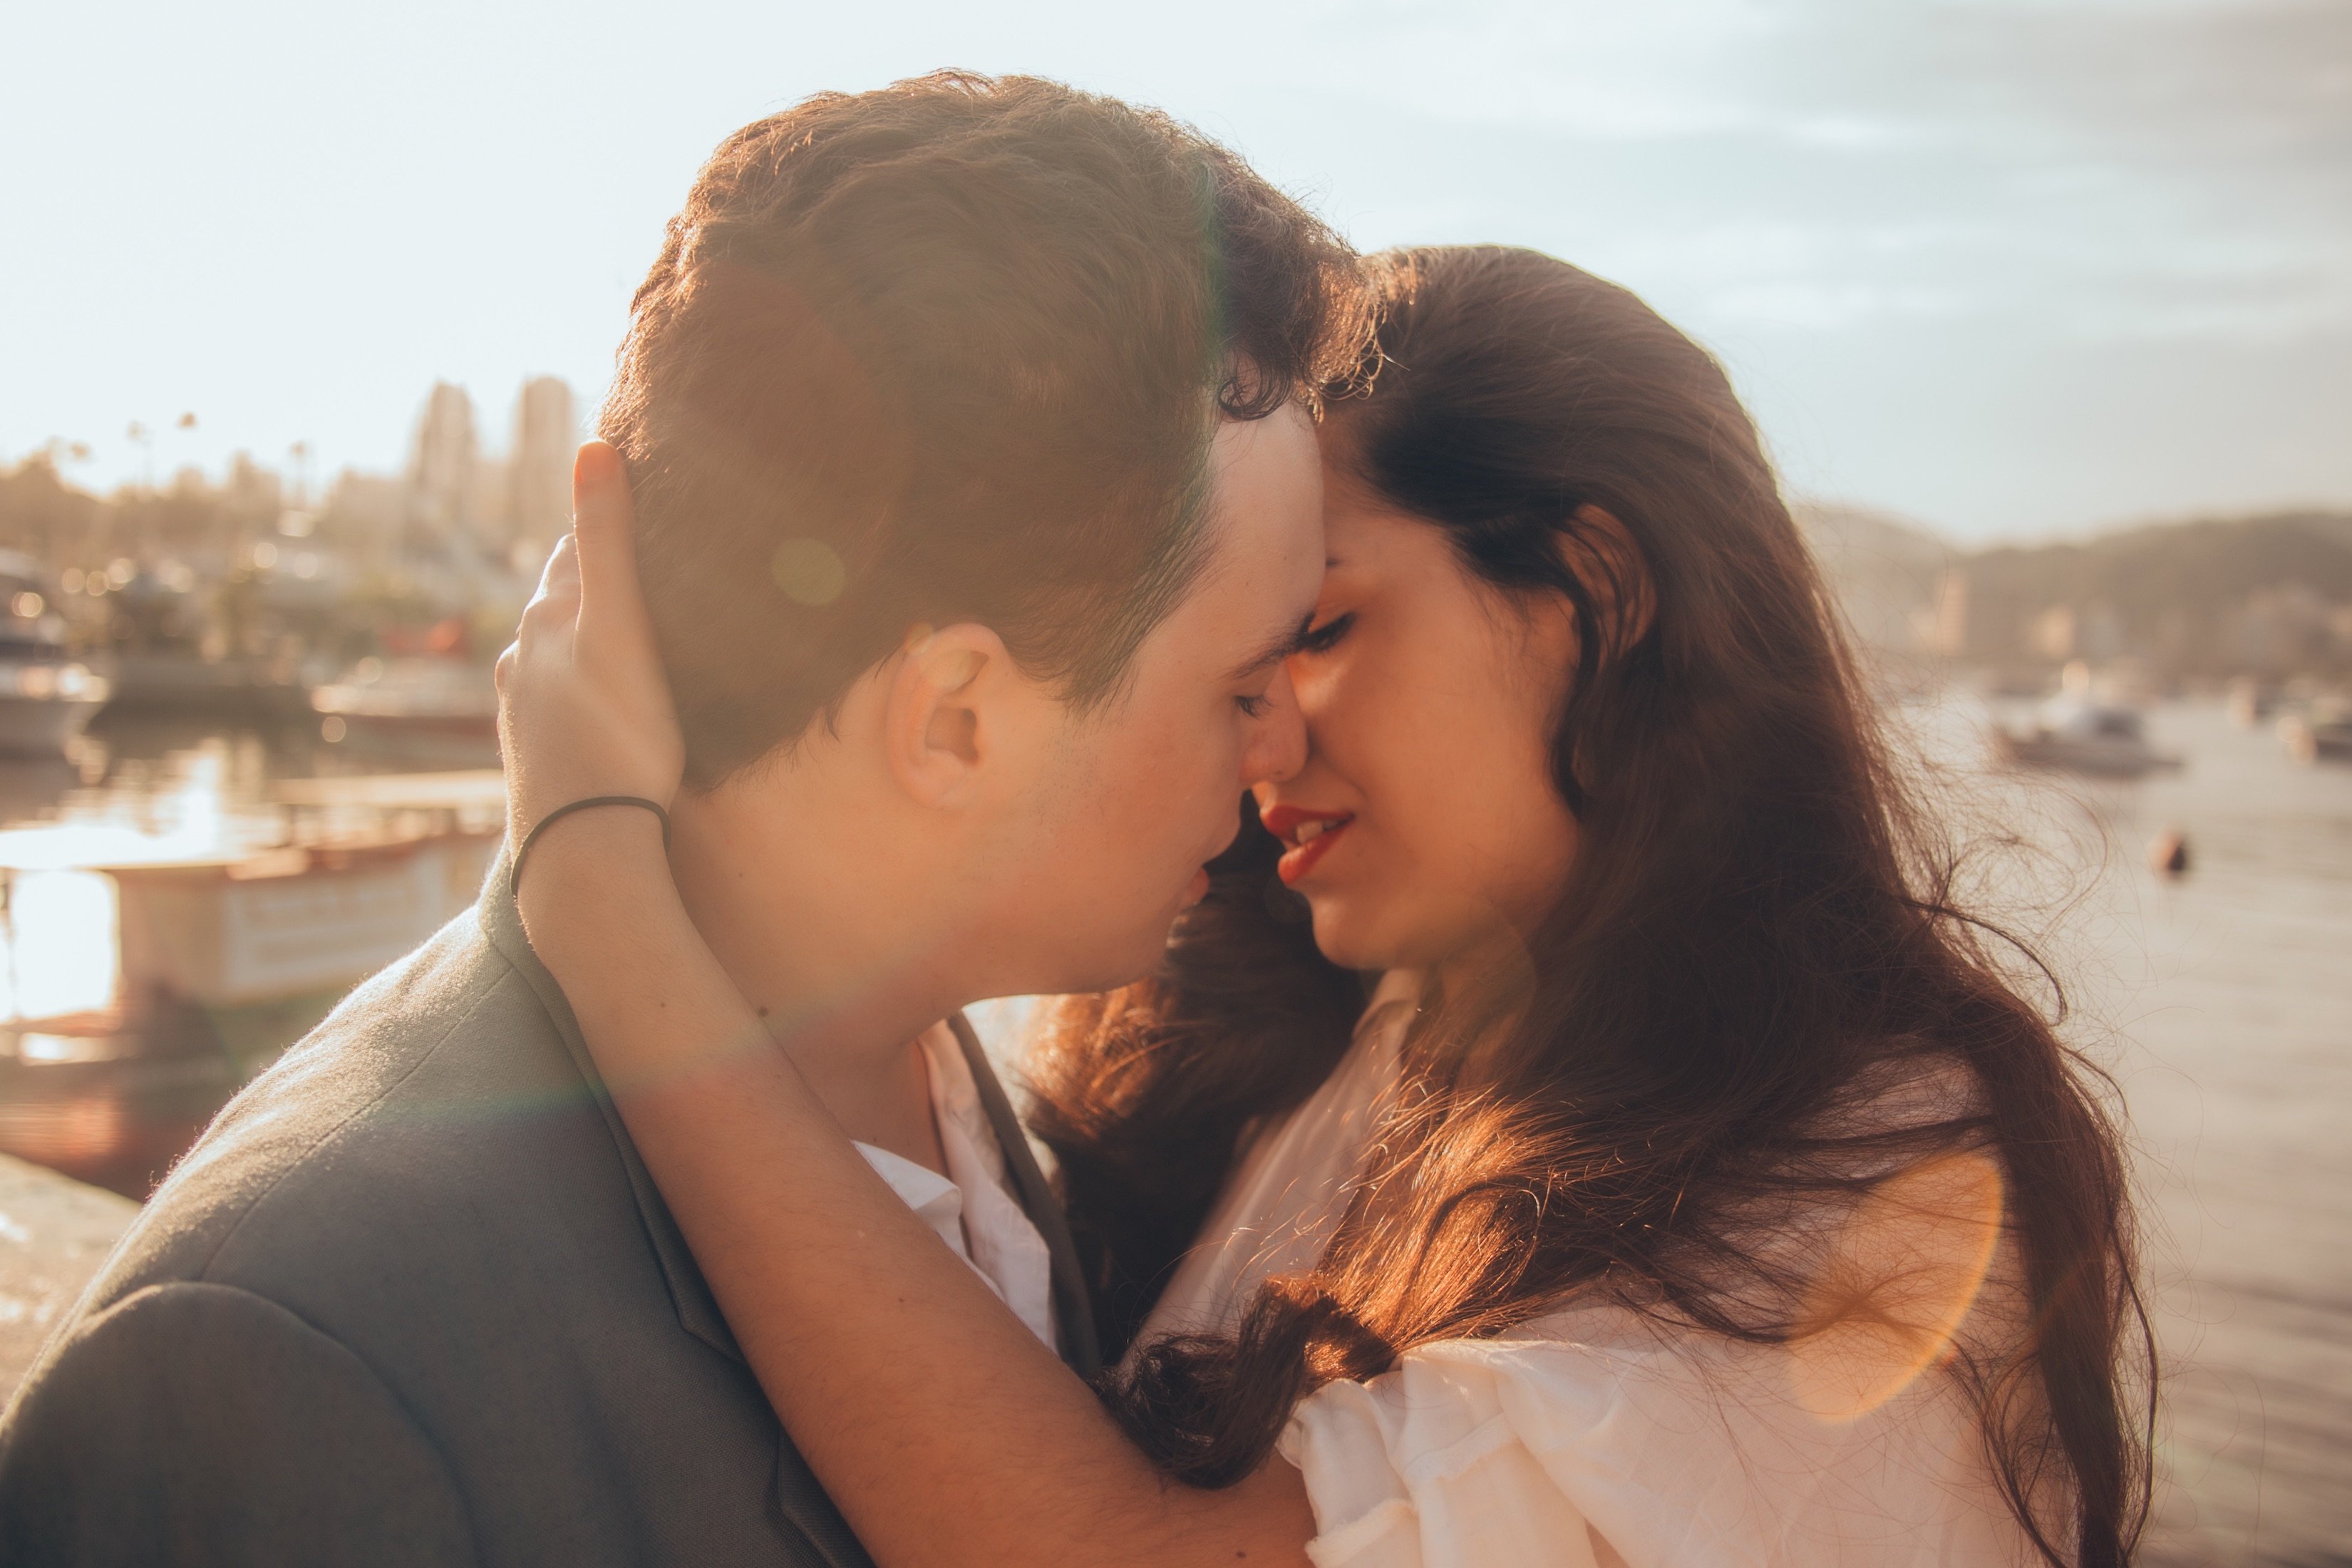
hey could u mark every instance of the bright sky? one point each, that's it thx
(2008, 267)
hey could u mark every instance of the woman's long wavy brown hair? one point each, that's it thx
(1760, 925)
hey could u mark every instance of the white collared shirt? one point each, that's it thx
(973, 1208)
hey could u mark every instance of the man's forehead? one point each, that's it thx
(1264, 539)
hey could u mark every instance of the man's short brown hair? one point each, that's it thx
(948, 351)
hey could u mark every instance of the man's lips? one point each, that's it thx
(1308, 834)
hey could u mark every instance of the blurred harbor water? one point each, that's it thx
(2221, 999)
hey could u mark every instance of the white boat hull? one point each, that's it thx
(284, 922)
(2105, 759)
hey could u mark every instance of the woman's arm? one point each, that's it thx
(940, 1425)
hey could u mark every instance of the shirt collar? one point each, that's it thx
(971, 1208)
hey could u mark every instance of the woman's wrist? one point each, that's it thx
(587, 867)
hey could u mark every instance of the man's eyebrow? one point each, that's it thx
(1279, 646)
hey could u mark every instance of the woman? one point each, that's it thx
(1692, 1186)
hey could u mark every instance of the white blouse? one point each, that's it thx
(973, 1208)
(1597, 1437)
(1291, 1184)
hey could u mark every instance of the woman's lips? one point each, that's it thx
(1309, 835)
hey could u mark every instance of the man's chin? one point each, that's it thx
(1107, 969)
(1107, 960)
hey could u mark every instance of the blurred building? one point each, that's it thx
(365, 512)
(252, 497)
(441, 474)
(539, 469)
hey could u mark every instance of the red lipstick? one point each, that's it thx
(1308, 834)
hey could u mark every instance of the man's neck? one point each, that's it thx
(840, 963)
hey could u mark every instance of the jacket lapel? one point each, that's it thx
(1073, 1312)
(698, 1311)
(800, 1504)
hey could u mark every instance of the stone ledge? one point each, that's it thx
(55, 1233)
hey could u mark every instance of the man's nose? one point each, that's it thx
(1278, 747)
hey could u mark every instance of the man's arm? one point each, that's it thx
(197, 1424)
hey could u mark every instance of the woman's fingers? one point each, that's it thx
(549, 622)
(555, 560)
(603, 520)
(559, 585)
(584, 703)
(559, 592)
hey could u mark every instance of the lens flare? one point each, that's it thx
(1900, 1277)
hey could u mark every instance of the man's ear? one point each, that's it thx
(932, 723)
(1601, 552)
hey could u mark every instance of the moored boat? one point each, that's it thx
(2077, 733)
(181, 683)
(2322, 732)
(46, 698)
(223, 961)
(431, 710)
(44, 706)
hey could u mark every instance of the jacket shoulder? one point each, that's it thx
(340, 1124)
(227, 1467)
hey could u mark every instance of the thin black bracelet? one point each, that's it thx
(514, 872)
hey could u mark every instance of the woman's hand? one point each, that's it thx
(584, 707)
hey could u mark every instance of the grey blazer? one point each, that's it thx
(413, 1300)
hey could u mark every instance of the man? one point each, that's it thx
(976, 511)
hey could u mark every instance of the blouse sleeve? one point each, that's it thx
(1633, 1448)
(1423, 1467)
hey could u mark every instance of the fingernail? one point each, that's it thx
(596, 464)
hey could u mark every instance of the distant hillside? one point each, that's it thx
(1886, 573)
(2267, 595)
(2216, 596)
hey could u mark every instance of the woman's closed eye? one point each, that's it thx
(1253, 706)
(1323, 638)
